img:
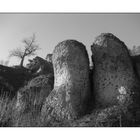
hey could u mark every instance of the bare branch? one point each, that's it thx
(29, 49)
(16, 53)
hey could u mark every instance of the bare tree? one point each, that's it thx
(30, 47)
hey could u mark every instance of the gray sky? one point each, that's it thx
(51, 29)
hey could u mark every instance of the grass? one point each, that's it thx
(10, 116)
(6, 110)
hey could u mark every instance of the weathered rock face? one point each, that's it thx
(114, 78)
(35, 93)
(105, 117)
(69, 98)
(40, 66)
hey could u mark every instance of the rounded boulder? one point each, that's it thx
(69, 98)
(114, 78)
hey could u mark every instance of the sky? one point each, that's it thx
(50, 29)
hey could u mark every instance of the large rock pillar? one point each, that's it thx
(71, 92)
(115, 82)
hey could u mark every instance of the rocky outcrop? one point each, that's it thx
(49, 58)
(34, 93)
(112, 116)
(40, 66)
(114, 78)
(106, 117)
(71, 92)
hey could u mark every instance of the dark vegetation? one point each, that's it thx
(12, 78)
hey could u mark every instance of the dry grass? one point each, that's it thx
(6, 111)
(10, 116)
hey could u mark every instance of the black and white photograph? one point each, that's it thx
(70, 69)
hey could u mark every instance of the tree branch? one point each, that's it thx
(29, 49)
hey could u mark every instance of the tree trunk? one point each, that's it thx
(22, 60)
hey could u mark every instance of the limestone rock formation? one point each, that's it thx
(34, 93)
(71, 92)
(114, 78)
(40, 66)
